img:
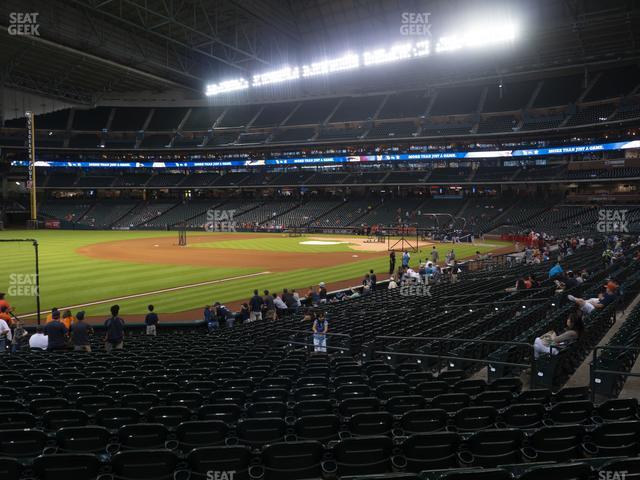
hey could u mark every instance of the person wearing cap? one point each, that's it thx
(68, 319)
(57, 333)
(609, 296)
(392, 283)
(39, 341)
(80, 332)
(50, 316)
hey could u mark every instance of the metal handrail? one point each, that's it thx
(440, 357)
(593, 371)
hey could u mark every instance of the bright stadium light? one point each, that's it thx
(349, 61)
(478, 35)
(421, 49)
(276, 76)
(396, 52)
(449, 43)
(226, 86)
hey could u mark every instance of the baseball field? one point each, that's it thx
(91, 270)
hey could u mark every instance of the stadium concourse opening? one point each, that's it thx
(320, 239)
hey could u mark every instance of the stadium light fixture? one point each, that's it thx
(349, 61)
(226, 87)
(276, 76)
(475, 36)
(397, 52)
(478, 35)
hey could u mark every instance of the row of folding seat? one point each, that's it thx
(308, 458)
(120, 428)
(231, 406)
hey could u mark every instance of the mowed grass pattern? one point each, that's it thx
(68, 278)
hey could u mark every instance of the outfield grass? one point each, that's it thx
(69, 278)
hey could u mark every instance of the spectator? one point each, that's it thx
(269, 306)
(50, 316)
(551, 343)
(244, 314)
(114, 326)
(392, 283)
(289, 300)
(588, 306)
(20, 337)
(281, 307)
(4, 303)
(322, 293)
(209, 319)
(5, 315)
(151, 321)
(374, 279)
(255, 307)
(80, 332)
(39, 341)
(68, 319)
(296, 297)
(56, 332)
(5, 335)
(556, 270)
(223, 314)
(320, 328)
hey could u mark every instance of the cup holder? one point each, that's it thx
(398, 463)
(329, 469)
(256, 472)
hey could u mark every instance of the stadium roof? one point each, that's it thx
(89, 49)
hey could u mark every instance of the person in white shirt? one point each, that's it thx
(296, 297)
(279, 303)
(38, 339)
(392, 284)
(5, 335)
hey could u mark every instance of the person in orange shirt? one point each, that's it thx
(68, 319)
(50, 316)
(5, 315)
(4, 303)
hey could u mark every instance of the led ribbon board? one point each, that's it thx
(400, 157)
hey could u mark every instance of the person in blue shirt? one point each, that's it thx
(320, 328)
(209, 319)
(556, 270)
(405, 259)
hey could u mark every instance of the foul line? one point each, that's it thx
(146, 294)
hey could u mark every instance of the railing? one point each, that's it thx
(339, 342)
(440, 356)
(596, 374)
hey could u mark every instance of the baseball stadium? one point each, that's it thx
(319, 240)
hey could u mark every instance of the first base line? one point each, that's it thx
(146, 294)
